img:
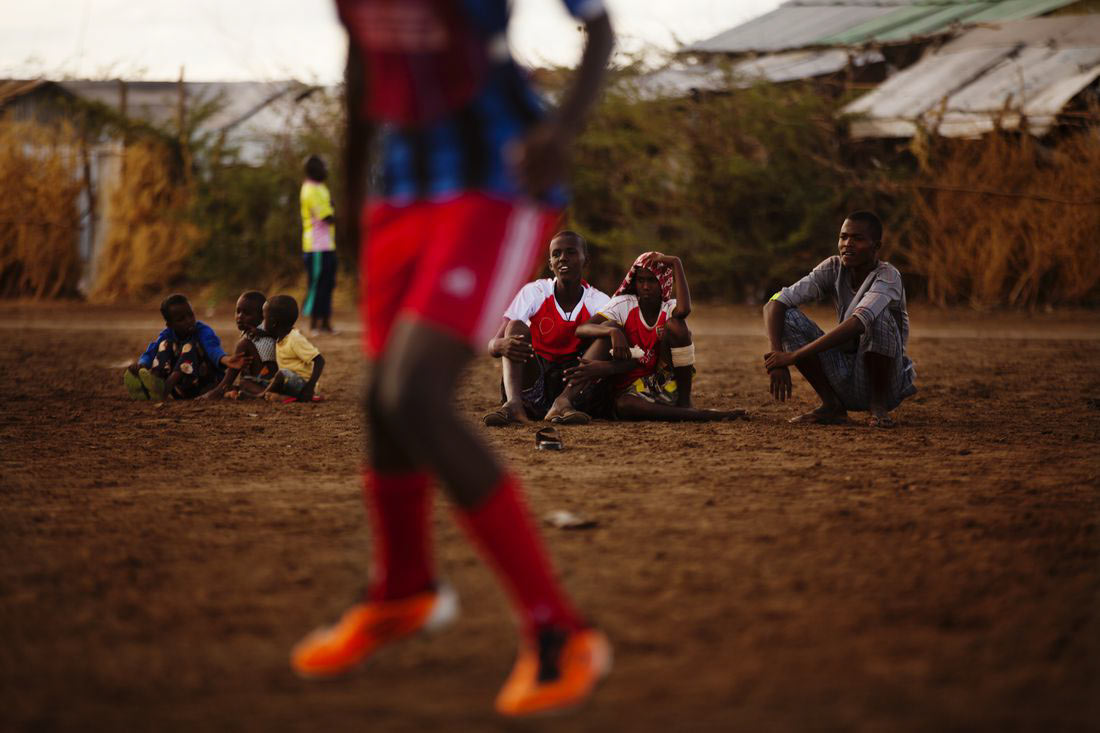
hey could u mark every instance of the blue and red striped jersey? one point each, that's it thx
(446, 93)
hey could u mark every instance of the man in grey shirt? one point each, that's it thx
(861, 364)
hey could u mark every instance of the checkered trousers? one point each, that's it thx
(847, 370)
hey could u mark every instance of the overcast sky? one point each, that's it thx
(277, 39)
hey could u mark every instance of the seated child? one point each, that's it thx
(537, 340)
(300, 363)
(256, 346)
(184, 360)
(643, 348)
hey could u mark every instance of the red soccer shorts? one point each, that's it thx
(456, 264)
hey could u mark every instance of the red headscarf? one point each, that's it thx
(661, 271)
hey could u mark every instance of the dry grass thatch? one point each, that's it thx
(149, 236)
(40, 169)
(1007, 222)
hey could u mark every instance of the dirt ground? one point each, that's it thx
(157, 562)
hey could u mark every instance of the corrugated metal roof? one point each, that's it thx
(787, 27)
(157, 102)
(680, 81)
(805, 23)
(251, 113)
(781, 67)
(988, 77)
(905, 23)
(1017, 10)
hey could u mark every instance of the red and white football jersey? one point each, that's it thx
(553, 331)
(642, 336)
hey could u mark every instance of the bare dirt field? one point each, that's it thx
(157, 562)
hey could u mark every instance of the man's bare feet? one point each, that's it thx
(562, 406)
(823, 415)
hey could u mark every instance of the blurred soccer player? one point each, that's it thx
(466, 194)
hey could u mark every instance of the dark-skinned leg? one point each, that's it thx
(246, 387)
(598, 350)
(799, 330)
(397, 495)
(678, 335)
(831, 409)
(516, 375)
(879, 369)
(632, 407)
(414, 386)
(415, 396)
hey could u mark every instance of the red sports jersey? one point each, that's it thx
(642, 336)
(553, 331)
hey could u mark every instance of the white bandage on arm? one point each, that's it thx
(683, 356)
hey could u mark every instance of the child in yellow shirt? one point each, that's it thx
(300, 363)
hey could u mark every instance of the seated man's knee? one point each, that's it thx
(599, 349)
(517, 328)
(677, 332)
(793, 317)
(882, 337)
(681, 350)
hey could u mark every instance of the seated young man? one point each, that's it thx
(537, 339)
(861, 364)
(643, 347)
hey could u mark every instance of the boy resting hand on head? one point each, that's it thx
(643, 347)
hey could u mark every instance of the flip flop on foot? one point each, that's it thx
(571, 417)
(883, 421)
(820, 418)
(548, 439)
(500, 418)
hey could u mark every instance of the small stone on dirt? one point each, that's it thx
(568, 520)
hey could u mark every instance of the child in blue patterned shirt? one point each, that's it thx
(185, 360)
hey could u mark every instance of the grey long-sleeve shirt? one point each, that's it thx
(882, 289)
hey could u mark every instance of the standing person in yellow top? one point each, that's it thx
(318, 246)
(300, 363)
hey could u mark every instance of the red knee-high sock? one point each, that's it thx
(502, 529)
(399, 505)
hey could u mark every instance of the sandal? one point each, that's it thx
(499, 419)
(882, 422)
(548, 439)
(573, 417)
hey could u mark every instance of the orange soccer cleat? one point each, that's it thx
(559, 672)
(366, 626)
